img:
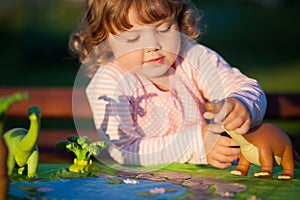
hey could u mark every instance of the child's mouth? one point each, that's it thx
(156, 61)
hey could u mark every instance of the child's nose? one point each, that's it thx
(152, 42)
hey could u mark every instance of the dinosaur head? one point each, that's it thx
(34, 112)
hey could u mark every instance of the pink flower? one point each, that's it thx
(227, 194)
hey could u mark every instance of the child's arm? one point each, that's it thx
(245, 100)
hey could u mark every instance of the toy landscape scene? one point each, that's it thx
(50, 149)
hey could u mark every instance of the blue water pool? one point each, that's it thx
(95, 188)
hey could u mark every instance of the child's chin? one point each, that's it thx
(154, 71)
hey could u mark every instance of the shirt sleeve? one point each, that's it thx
(219, 80)
(113, 117)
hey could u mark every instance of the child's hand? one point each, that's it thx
(233, 115)
(219, 149)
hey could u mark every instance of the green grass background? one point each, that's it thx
(260, 39)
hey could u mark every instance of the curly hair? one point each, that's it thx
(104, 17)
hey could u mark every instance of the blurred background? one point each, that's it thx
(260, 37)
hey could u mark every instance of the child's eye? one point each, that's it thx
(132, 40)
(164, 30)
(128, 36)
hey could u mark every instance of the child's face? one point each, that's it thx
(147, 49)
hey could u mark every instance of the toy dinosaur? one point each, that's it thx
(22, 145)
(265, 145)
(3, 170)
(5, 103)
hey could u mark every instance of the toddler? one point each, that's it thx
(150, 83)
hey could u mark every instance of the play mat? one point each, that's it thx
(176, 181)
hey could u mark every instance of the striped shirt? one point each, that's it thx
(147, 126)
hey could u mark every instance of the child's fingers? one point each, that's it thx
(215, 128)
(229, 152)
(221, 115)
(235, 119)
(233, 124)
(238, 124)
(226, 141)
(218, 164)
(243, 129)
(208, 115)
(222, 161)
(238, 118)
(225, 151)
(227, 158)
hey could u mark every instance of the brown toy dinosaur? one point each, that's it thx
(265, 145)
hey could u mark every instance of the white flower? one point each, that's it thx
(158, 191)
(130, 181)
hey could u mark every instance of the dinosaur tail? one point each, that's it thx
(5, 104)
(297, 159)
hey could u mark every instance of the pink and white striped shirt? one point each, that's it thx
(147, 126)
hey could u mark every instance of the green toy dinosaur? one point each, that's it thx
(6, 102)
(22, 145)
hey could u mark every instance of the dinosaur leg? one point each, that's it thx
(242, 167)
(10, 164)
(266, 161)
(32, 163)
(21, 170)
(287, 163)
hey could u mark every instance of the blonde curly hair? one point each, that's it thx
(104, 17)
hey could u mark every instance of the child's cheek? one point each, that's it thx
(171, 42)
(131, 60)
